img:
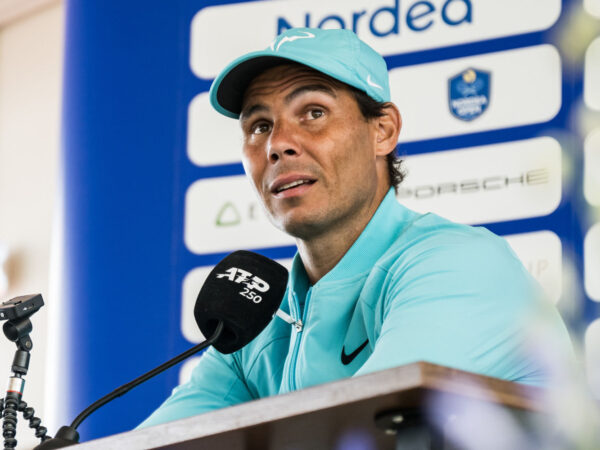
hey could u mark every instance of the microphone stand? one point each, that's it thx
(68, 435)
(17, 330)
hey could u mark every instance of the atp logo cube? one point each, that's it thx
(252, 283)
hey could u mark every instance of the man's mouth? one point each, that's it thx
(291, 185)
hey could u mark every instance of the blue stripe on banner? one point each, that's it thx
(123, 112)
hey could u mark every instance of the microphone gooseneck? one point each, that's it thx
(68, 435)
(128, 386)
(237, 301)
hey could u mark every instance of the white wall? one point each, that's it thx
(31, 52)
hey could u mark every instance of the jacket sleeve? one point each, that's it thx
(466, 303)
(216, 382)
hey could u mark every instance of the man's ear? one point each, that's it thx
(388, 129)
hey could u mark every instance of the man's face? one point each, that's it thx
(309, 151)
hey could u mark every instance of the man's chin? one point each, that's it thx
(304, 228)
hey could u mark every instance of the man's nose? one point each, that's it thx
(282, 142)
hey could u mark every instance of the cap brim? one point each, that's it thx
(227, 91)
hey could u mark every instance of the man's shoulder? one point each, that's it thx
(430, 238)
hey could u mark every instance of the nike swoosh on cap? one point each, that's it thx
(372, 83)
(307, 35)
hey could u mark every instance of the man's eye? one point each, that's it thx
(260, 128)
(315, 113)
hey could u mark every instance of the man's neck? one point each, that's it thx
(321, 253)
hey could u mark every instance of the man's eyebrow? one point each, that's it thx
(248, 111)
(309, 88)
(259, 107)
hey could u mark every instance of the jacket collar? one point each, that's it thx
(387, 223)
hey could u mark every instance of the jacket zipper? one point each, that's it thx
(294, 357)
(297, 324)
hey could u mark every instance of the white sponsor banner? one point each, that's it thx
(192, 283)
(591, 168)
(524, 88)
(592, 356)
(220, 34)
(591, 262)
(591, 75)
(592, 7)
(212, 138)
(491, 183)
(541, 253)
(224, 214)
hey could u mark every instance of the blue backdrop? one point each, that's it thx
(127, 86)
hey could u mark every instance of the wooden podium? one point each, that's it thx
(375, 411)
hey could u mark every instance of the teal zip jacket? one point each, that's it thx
(413, 287)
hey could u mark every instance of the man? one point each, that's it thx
(374, 285)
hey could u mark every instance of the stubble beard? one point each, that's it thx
(320, 223)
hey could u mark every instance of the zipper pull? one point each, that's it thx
(297, 324)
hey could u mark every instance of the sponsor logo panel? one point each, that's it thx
(223, 214)
(469, 94)
(591, 75)
(591, 168)
(592, 7)
(220, 34)
(478, 93)
(212, 138)
(591, 262)
(192, 283)
(592, 356)
(541, 253)
(491, 183)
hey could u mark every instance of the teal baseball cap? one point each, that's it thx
(337, 53)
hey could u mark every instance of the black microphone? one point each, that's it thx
(243, 291)
(237, 301)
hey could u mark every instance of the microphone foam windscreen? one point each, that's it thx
(243, 291)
